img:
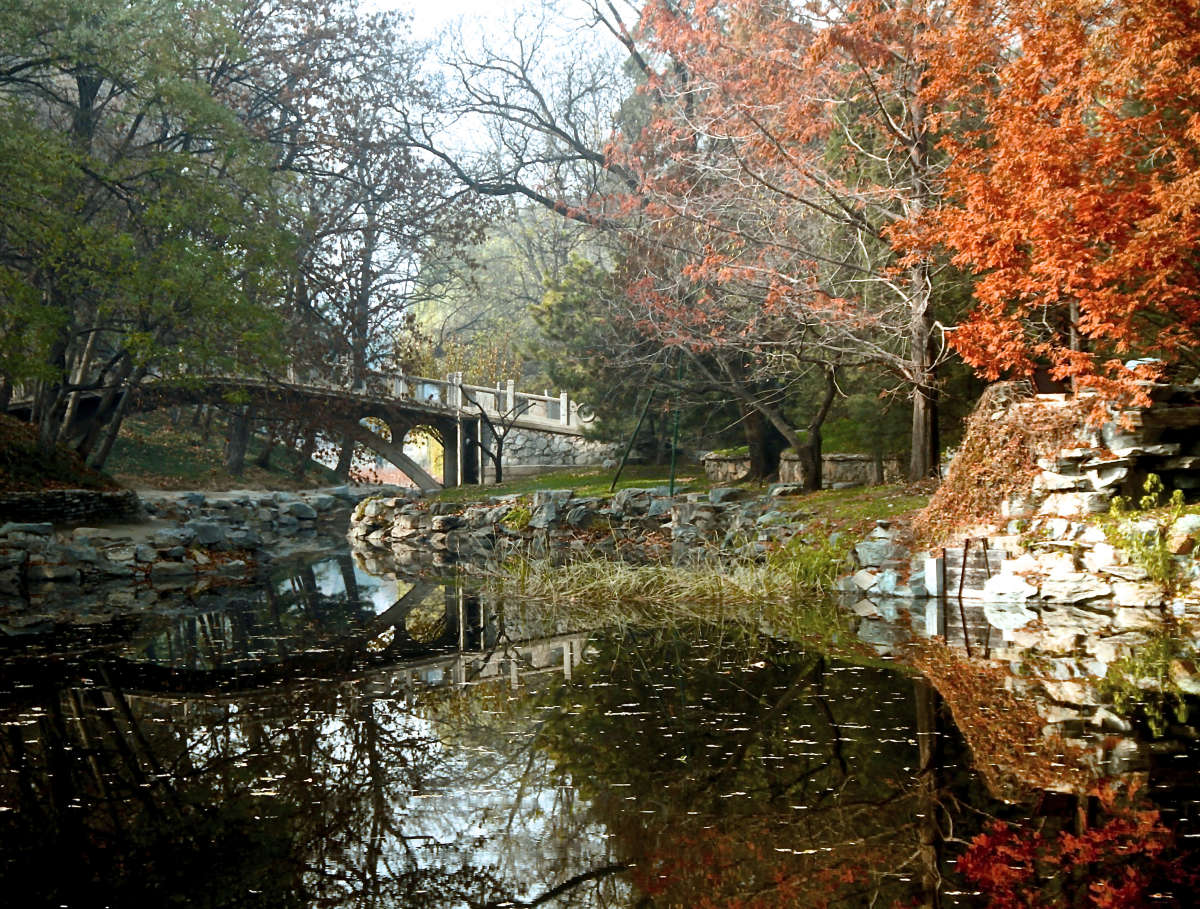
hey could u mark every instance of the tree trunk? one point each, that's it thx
(924, 460)
(345, 459)
(263, 460)
(99, 458)
(6, 393)
(304, 456)
(922, 358)
(754, 428)
(81, 371)
(206, 429)
(764, 442)
(237, 440)
(109, 402)
(924, 456)
(498, 460)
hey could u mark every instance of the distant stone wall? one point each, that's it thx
(838, 471)
(528, 448)
(723, 470)
(69, 506)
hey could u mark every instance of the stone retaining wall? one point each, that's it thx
(70, 506)
(635, 525)
(180, 536)
(838, 471)
(528, 448)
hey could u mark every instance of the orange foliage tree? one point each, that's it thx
(1074, 186)
(784, 142)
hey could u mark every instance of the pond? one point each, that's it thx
(331, 737)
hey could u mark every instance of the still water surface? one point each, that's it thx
(330, 738)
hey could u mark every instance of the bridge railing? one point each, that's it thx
(501, 401)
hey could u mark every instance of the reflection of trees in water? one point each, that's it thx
(752, 774)
(327, 792)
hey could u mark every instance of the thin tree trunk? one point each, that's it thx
(100, 457)
(6, 393)
(206, 430)
(237, 440)
(810, 456)
(109, 402)
(85, 363)
(754, 428)
(264, 457)
(304, 459)
(924, 457)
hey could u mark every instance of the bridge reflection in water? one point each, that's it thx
(328, 616)
(298, 744)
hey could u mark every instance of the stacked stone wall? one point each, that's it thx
(838, 471)
(635, 525)
(527, 448)
(69, 506)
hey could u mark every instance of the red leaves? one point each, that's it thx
(1119, 862)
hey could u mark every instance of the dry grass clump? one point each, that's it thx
(786, 593)
(1005, 435)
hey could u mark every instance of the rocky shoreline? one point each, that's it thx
(637, 525)
(179, 539)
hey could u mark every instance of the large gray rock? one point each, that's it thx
(444, 523)
(1074, 503)
(581, 516)
(544, 516)
(873, 553)
(660, 506)
(721, 494)
(1008, 588)
(323, 502)
(40, 529)
(889, 582)
(1076, 587)
(208, 533)
(243, 538)
(174, 536)
(1181, 536)
(1137, 593)
(301, 510)
(632, 500)
(557, 496)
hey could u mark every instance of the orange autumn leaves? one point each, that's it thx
(1071, 133)
(1062, 171)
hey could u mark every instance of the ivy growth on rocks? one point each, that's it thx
(997, 459)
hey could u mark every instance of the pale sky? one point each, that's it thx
(430, 15)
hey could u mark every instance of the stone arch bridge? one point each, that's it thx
(380, 412)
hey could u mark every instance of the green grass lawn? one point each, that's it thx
(837, 508)
(589, 481)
